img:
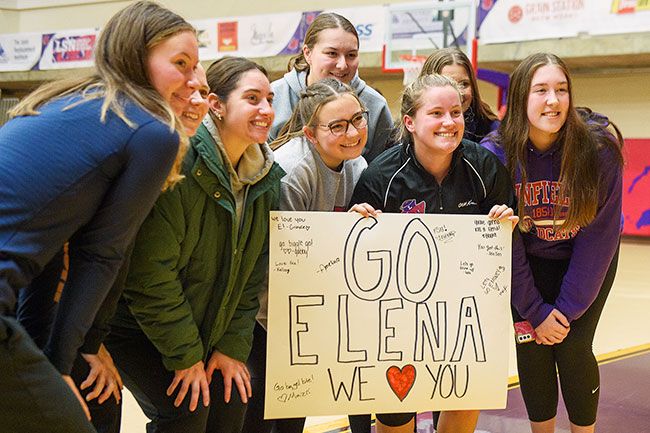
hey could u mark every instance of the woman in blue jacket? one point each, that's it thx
(83, 161)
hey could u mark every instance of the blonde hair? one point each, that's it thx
(411, 101)
(121, 72)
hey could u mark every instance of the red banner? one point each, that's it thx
(636, 187)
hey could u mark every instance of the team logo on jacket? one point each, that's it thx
(412, 206)
(466, 203)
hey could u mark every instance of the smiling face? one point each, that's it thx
(459, 74)
(548, 105)
(171, 68)
(334, 149)
(197, 106)
(437, 126)
(334, 55)
(247, 114)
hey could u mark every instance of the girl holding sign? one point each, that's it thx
(478, 116)
(434, 170)
(183, 332)
(452, 62)
(568, 169)
(331, 50)
(83, 161)
(321, 153)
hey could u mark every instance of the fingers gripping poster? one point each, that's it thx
(389, 314)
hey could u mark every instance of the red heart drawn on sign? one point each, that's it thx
(401, 380)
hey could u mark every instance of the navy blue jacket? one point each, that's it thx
(65, 175)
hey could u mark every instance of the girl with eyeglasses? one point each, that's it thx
(435, 170)
(321, 153)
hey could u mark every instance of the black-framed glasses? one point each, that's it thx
(340, 127)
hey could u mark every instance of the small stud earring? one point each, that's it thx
(219, 116)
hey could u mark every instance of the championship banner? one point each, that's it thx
(68, 49)
(20, 51)
(397, 313)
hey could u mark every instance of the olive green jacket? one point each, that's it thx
(196, 270)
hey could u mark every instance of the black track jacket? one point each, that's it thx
(396, 182)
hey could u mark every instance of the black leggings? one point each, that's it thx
(574, 357)
(255, 422)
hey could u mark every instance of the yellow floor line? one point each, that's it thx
(618, 355)
(604, 358)
(342, 426)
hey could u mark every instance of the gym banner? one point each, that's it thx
(399, 313)
(68, 49)
(522, 20)
(20, 51)
(282, 33)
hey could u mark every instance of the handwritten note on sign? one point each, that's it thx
(393, 314)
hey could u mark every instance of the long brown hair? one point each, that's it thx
(312, 99)
(580, 141)
(453, 56)
(121, 71)
(324, 21)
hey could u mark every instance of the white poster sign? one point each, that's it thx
(395, 314)
(20, 51)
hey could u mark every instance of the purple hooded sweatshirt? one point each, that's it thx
(590, 248)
